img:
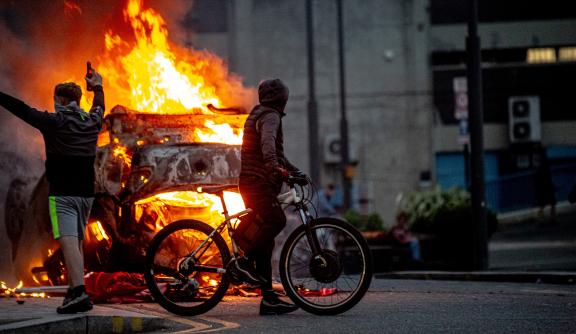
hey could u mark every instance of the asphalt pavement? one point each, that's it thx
(511, 297)
(390, 306)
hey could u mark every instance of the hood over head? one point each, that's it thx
(273, 93)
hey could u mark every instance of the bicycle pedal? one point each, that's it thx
(234, 277)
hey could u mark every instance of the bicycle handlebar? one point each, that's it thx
(293, 180)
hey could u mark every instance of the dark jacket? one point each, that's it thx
(70, 136)
(263, 142)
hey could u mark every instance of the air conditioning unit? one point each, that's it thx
(332, 149)
(524, 119)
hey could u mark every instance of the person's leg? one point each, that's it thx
(415, 249)
(263, 259)
(73, 259)
(66, 214)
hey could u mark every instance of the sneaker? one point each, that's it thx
(79, 303)
(68, 297)
(275, 306)
(243, 268)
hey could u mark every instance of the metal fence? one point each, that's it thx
(518, 191)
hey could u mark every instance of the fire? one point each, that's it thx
(208, 207)
(13, 292)
(147, 73)
(121, 152)
(98, 231)
(144, 71)
(219, 133)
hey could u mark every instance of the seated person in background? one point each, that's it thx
(325, 207)
(401, 234)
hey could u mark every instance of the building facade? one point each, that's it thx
(401, 58)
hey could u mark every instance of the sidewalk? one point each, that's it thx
(38, 315)
(524, 249)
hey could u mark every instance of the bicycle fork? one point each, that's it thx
(310, 235)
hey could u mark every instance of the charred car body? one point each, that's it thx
(148, 168)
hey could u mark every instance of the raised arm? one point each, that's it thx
(41, 120)
(98, 103)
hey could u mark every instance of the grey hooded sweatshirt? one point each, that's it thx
(70, 136)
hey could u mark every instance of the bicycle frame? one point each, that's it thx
(289, 198)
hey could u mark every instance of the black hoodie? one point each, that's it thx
(263, 143)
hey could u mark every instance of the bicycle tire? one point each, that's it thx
(289, 285)
(149, 274)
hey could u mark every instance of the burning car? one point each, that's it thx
(148, 168)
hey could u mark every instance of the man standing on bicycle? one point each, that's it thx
(264, 169)
(70, 136)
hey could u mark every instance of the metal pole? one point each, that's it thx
(474, 73)
(313, 149)
(345, 163)
(466, 150)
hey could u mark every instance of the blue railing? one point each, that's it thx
(514, 192)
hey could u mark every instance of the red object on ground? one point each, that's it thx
(117, 288)
(323, 292)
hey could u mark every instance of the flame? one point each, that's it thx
(219, 133)
(121, 152)
(147, 73)
(11, 292)
(98, 231)
(209, 206)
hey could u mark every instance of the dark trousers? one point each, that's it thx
(262, 200)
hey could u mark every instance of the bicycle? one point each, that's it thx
(325, 263)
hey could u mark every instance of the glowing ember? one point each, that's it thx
(12, 292)
(121, 152)
(98, 231)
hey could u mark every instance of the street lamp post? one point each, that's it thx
(345, 157)
(474, 73)
(313, 151)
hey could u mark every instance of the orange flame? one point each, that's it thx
(121, 153)
(191, 199)
(153, 76)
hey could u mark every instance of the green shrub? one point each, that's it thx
(436, 210)
(371, 222)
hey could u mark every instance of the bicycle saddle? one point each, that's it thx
(217, 189)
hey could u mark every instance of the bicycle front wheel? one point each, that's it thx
(179, 283)
(333, 281)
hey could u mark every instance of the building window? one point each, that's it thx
(567, 54)
(541, 55)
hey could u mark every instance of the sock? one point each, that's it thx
(78, 290)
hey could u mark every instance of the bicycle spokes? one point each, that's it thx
(185, 279)
(331, 276)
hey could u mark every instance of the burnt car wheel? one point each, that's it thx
(182, 284)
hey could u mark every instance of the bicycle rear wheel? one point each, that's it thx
(336, 279)
(180, 285)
